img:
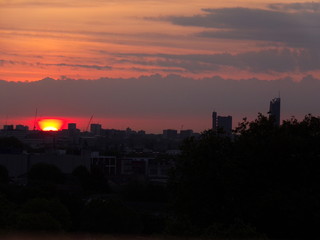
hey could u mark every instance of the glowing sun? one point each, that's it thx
(50, 124)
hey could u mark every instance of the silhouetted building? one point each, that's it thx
(158, 169)
(142, 132)
(154, 169)
(22, 128)
(8, 127)
(274, 110)
(130, 132)
(72, 126)
(223, 123)
(214, 121)
(170, 133)
(72, 130)
(186, 133)
(134, 166)
(104, 164)
(95, 129)
(18, 165)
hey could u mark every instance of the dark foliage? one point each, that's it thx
(6, 213)
(43, 215)
(11, 145)
(266, 179)
(93, 182)
(43, 173)
(4, 176)
(109, 216)
(144, 192)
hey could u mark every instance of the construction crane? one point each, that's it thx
(89, 123)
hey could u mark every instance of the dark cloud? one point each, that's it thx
(166, 70)
(11, 62)
(306, 6)
(96, 67)
(265, 61)
(230, 18)
(4, 53)
(153, 96)
(299, 29)
(292, 38)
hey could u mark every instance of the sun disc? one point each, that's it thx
(50, 124)
(50, 129)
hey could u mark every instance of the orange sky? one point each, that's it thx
(91, 39)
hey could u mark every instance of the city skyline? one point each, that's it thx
(154, 105)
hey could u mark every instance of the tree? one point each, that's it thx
(91, 183)
(197, 183)
(7, 212)
(4, 175)
(266, 178)
(280, 166)
(43, 173)
(11, 145)
(110, 216)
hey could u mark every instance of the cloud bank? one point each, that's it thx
(296, 29)
(155, 97)
(264, 61)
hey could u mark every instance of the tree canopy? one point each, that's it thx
(266, 179)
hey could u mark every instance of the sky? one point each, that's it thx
(135, 43)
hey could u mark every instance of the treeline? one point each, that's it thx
(263, 182)
(82, 202)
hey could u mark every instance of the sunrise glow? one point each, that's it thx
(50, 124)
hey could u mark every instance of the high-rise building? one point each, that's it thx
(223, 123)
(95, 129)
(170, 133)
(72, 129)
(274, 110)
(8, 127)
(22, 128)
(214, 121)
(72, 126)
(186, 133)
